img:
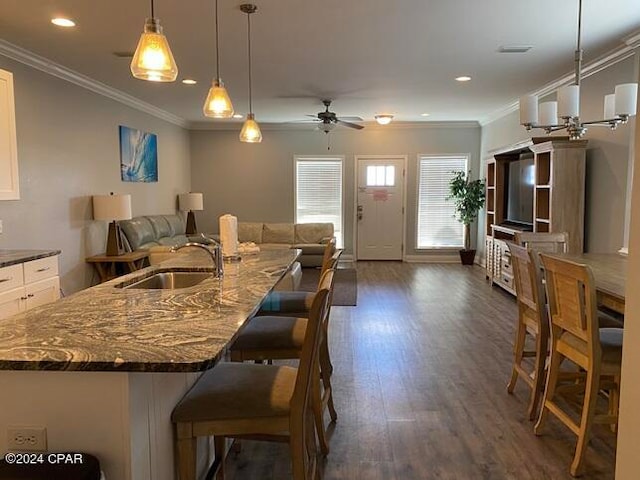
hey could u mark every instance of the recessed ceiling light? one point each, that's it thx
(237, 115)
(189, 81)
(425, 114)
(463, 78)
(63, 22)
(384, 119)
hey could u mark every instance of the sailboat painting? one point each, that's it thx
(138, 155)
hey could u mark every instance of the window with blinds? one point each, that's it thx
(319, 192)
(437, 226)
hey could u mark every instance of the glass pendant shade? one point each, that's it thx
(153, 60)
(250, 132)
(218, 104)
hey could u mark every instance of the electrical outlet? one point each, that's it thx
(27, 439)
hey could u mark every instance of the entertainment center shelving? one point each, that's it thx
(558, 199)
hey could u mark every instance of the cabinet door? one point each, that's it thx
(40, 293)
(11, 277)
(9, 186)
(12, 302)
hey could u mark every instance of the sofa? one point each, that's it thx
(156, 233)
(311, 238)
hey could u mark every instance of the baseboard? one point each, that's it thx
(447, 258)
(346, 258)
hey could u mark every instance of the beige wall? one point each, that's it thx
(256, 182)
(608, 157)
(68, 150)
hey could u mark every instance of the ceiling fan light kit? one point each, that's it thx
(217, 104)
(618, 107)
(384, 119)
(153, 60)
(250, 132)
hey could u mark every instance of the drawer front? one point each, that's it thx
(507, 280)
(40, 269)
(11, 277)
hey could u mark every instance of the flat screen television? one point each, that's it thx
(520, 182)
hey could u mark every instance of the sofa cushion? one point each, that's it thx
(278, 233)
(250, 232)
(312, 232)
(177, 224)
(139, 232)
(311, 248)
(160, 226)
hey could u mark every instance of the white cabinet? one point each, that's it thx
(28, 285)
(9, 185)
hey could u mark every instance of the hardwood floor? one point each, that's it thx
(421, 368)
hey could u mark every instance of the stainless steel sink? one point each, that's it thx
(170, 280)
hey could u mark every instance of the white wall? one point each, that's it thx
(68, 150)
(608, 157)
(255, 182)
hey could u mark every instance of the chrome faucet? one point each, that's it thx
(215, 254)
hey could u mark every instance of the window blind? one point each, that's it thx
(437, 226)
(319, 192)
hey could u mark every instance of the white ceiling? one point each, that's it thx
(370, 56)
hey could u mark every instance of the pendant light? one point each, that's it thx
(250, 132)
(153, 60)
(217, 104)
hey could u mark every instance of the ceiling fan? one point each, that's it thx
(328, 120)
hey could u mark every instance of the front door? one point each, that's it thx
(380, 209)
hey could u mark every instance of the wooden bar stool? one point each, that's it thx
(544, 242)
(575, 336)
(263, 402)
(281, 338)
(532, 320)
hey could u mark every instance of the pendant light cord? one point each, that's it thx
(217, 43)
(152, 11)
(249, 56)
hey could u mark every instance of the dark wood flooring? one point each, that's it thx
(421, 368)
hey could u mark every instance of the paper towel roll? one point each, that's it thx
(229, 235)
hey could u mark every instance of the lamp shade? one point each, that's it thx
(153, 60)
(250, 132)
(112, 207)
(190, 201)
(529, 110)
(610, 106)
(218, 104)
(626, 99)
(569, 101)
(548, 113)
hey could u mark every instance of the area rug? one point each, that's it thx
(345, 288)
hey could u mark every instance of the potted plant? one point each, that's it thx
(469, 198)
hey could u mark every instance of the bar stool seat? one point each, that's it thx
(285, 303)
(611, 344)
(235, 390)
(281, 336)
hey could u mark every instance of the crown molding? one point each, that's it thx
(265, 126)
(618, 54)
(50, 67)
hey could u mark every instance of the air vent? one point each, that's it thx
(514, 48)
(123, 54)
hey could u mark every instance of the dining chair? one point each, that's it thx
(543, 242)
(295, 302)
(533, 321)
(281, 338)
(575, 336)
(254, 401)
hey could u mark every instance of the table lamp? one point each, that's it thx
(188, 202)
(112, 208)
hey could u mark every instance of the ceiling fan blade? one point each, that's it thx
(312, 116)
(349, 124)
(351, 119)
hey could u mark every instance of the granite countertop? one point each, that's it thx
(11, 257)
(106, 328)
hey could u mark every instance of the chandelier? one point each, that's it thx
(618, 106)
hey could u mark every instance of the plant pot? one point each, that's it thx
(467, 256)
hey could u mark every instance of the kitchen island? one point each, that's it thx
(102, 369)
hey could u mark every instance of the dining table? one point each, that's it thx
(610, 275)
